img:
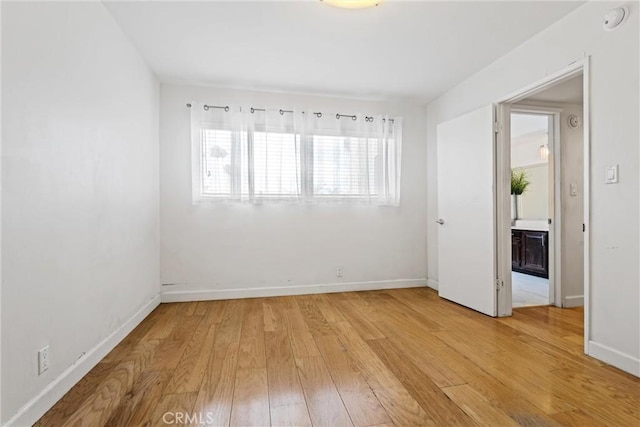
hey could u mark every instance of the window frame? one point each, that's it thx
(306, 156)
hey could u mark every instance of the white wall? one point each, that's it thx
(533, 204)
(615, 213)
(80, 189)
(213, 247)
(1, 219)
(571, 145)
(525, 150)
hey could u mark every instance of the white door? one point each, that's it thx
(466, 201)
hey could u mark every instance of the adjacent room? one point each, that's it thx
(319, 213)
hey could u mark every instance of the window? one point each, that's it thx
(276, 164)
(344, 166)
(294, 158)
(216, 158)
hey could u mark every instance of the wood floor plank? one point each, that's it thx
(477, 407)
(510, 375)
(215, 312)
(215, 397)
(429, 396)
(360, 317)
(576, 418)
(282, 373)
(251, 398)
(302, 341)
(313, 317)
(71, 401)
(294, 415)
(99, 406)
(270, 314)
(201, 308)
(329, 310)
(166, 321)
(251, 354)
(172, 348)
(323, 400)
(188, 374)
(375, 372)
(360, 401)
(374, 358)
(138, 405)
(402, 407)
(172, 409)
(421, 353)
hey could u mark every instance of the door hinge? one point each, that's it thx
(497, 127)
(549, 221)
(499, 284)
(584, 228)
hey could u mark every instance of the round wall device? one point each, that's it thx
(615, 18)
(573, 121)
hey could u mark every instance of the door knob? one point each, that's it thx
(440, 221)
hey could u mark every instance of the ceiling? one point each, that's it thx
(569, 92)
(399, 49)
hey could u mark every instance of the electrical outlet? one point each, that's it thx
(339, 271)
(43, 360)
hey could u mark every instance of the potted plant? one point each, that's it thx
(519, 184)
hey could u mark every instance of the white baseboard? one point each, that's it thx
(216, 294)
(614, 357)
(433, 284)
(574, 301)
(39, 405)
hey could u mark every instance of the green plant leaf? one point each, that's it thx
(519, 181)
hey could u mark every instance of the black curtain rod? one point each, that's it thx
(318, 114)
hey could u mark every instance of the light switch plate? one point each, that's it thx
(611, 175)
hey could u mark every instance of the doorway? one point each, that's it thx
(533, 136)
(561, 100)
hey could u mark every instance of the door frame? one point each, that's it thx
(555, 188)
(503, 185)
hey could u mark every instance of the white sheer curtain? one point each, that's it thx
(258, 155)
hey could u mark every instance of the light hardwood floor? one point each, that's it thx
(398, 357)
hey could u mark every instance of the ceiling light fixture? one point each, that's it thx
(544, 152)
(352, 4)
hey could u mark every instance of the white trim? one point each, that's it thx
(615, 358)
(574, 69)
(40, 404)
(502, 199)
(555, 195)
(573, 301)
(578, 67)
(433, 284)
(272, 291)
(586, 110)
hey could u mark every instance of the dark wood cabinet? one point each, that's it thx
(530, 252)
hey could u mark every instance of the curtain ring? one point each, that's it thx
(282, 112)
(354, 118)
(252, 110)
(318, 114)
(226, 109)
(338, 116)
(206, 108)
(368, 119)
